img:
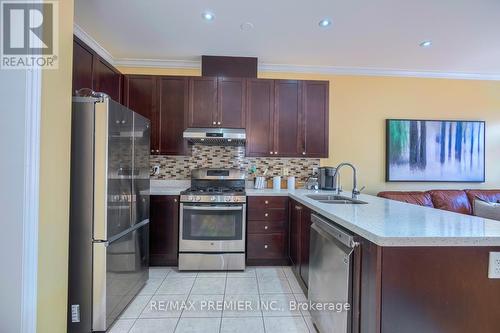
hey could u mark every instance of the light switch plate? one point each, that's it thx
(75, 313)
(494, 266)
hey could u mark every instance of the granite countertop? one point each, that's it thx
(381, 221)
(392, 223)
(168, 187)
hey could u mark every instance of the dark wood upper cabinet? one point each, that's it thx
(140, 95)
(83, 61)
(91, 71)
(164, 230)
(287, 112)
(289, 121)
(260, 117)
(202, 102)
(315, 118)
(173, 104)
(231, 102)
(106, 79)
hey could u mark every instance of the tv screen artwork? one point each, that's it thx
(435, 151)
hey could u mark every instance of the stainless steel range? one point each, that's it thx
(213, 221)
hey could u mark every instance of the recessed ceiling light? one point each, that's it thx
(208, 16)
(325, 23)
(426, 43)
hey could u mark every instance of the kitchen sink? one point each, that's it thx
(335, 199)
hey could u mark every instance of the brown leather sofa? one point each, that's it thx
(459, 201)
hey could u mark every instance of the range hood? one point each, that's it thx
(216, 136)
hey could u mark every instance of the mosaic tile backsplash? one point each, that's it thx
(179, 167)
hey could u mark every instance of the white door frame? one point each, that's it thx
(31, 200)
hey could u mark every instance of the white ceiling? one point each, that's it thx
(381, 35)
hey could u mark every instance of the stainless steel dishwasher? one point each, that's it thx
(330, 274)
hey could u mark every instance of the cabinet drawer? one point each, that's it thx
(266, 246)
(267, 214)
(267, 202)
(264, 227)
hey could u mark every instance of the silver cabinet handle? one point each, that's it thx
(265, 246)
(213, 207)
(214, 123)
(266, 202)
(175, 200)
(152, 150)
(271, 152)
(275, 153)
(303, 153)
(157, 150)
(265, 227)
(218, 123)
(266, 214)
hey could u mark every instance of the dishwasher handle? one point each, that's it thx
(337, 233)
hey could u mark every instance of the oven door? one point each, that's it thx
(212, 228)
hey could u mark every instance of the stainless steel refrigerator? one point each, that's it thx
(109, 211)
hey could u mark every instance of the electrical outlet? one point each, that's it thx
(494, 266)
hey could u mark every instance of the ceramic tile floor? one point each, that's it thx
(158, 307)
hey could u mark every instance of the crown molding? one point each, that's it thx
(356, 71)
(158, 63)
(90, 41)
(281, 68)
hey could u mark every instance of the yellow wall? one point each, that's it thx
(359, 106)
(54, 182)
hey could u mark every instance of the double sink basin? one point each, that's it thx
(335, 199)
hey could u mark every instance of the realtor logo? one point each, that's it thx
(29, 37)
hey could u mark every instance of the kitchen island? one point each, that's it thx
(417, 269)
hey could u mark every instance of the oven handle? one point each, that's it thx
(213, 207)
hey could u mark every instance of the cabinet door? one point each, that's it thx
(315, 118)
(305, 232)
(286, 118)
(82, 67)
(202, 102)
(259, 115)
(231, 102)
(173, 102)
(295, 219)
(164, 230)
(106, 79)
(140, 96)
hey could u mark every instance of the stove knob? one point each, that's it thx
(227, 199)
(198, 198)
(213, 198)
(190, 198)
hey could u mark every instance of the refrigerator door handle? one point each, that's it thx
(123, 233)
(99, 287)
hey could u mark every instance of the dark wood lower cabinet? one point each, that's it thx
(305, 232)
(267, 231)
(164, 230)
(438, 290)
(300, 225)
(266, 246)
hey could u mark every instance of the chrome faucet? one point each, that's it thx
(355, 191)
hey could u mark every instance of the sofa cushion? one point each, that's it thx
(451, 200)
(488, 210)
(416, 198)
(485, 195)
